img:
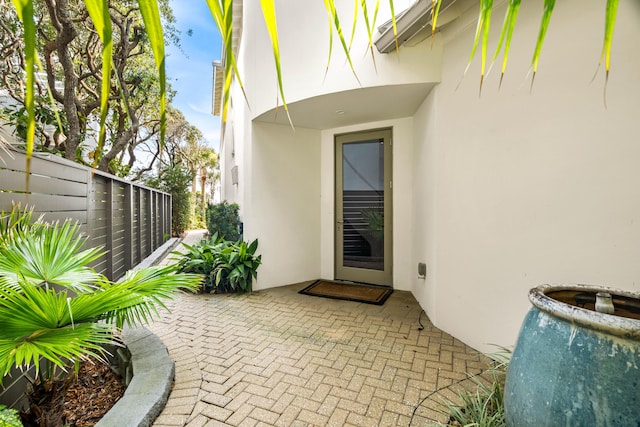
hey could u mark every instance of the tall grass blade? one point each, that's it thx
(544, 26)
(24, 9)
(435, 12)
(99, 13)
(330, 18)
(481, 38)
(355, 23)
(269, 14)
(370, 27)
(331, 9)
(488, 7)
(222, 14)
(394, 25)
(609, 26)
(151, 17)
(505, 35)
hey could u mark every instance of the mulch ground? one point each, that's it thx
(91, 396)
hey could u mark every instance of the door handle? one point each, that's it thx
(340, 221)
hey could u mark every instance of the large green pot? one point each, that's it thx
(573, 365)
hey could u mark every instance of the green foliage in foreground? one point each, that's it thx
(227, 266)
(484, 406)
(54, 307)
(9, 417)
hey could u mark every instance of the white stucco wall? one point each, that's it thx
(496, 194)
(520, 188)
(303, 33)
(285, 208)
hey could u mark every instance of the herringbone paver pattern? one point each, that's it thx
(276, 357)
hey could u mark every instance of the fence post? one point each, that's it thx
(90, 203)
(167, 215)
(109, 231)
(149, 225)
(138, 208)
(128, 224)
(170, 216)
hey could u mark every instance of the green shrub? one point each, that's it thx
(238, 266)
(201, 259)
(199, 217)
(9, 417)
(223, 220)
(176, 181)
(226, 266)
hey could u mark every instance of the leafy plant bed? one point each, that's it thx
(54, 309)
(225, 265)
(483, 405)
(75, 401)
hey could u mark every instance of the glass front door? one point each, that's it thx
(363, 207)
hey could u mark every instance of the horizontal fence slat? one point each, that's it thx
(16, 181)
(62, 216)
(128, 220)
(52, 166)
(49, 202)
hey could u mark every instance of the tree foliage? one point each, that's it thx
(175, 180)
(222, 12)
(71, 52)
(185, 148)
(223, 220)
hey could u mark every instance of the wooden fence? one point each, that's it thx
(128, 220)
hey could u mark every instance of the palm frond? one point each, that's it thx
(333, 14)
(151, 16)
(506, 33)
(37, 322)
(609, 25)
(394, 24)
(99, 13)
(24, 8)
(482, 37)
(137, 297)
(16, 223)
(222, 13)
(59, 346)
(269, 14)
(542, 32)
(53, 256)
(435, 12)
(370, 24)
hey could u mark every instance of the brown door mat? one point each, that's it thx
(368, 294)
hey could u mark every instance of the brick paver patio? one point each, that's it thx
(275, 357)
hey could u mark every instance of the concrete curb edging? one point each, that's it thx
(153, 374)
(153, 369)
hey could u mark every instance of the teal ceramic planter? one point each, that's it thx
(574, 366)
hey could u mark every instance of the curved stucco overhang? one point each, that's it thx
(353, 106)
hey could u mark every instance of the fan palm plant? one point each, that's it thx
(55, 308)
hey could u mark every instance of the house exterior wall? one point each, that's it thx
(285, 212)
(496, 194)
(522, 189)
(304, 46)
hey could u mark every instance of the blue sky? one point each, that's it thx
(190, 72)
